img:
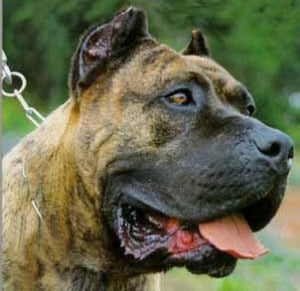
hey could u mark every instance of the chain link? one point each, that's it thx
(7, 76)
(5, 70)
(20, 90)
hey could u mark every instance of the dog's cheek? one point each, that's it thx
(162, 132)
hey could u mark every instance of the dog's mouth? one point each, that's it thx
(156, 233)
(206, 247)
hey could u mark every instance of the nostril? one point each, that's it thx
(275, 147)
(272, 150)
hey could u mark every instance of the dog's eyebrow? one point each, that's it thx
(246, 96)
(240, 95)
(199, 79)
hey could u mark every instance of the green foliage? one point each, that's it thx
(257, 41)
(14, 119)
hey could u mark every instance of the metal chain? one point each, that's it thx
(5, 69)
(31, 113)
(7, 76)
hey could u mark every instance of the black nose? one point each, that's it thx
(276, 146)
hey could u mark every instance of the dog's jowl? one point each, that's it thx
(154, 161)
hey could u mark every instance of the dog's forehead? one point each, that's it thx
(151, 70)
(225, 85)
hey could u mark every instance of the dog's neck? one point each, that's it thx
(61, 243)
(88, 280)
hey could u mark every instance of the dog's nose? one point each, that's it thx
(277, 147)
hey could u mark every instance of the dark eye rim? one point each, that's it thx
(187, 92)
(250, 109)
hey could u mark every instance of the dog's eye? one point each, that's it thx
(180, 98)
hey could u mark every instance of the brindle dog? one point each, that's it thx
(151, 145)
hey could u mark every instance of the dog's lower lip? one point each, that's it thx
(223, 267)
(142, 234)
(259, 213)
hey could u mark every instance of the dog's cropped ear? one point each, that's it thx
(103, 44)
(197, 46)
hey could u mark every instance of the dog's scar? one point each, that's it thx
(33, 203)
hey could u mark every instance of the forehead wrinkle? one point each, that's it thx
(161, 54)
(225, 85)
(151, 70)
(174, 66)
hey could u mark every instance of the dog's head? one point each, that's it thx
(183, 171)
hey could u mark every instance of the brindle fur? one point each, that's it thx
(65, 162)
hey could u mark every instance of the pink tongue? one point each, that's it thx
(233, 235)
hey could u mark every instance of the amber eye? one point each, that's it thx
(181, 98)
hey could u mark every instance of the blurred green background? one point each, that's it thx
(257, 41)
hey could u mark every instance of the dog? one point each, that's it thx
(154, 161)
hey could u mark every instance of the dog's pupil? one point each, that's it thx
(179, 99)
